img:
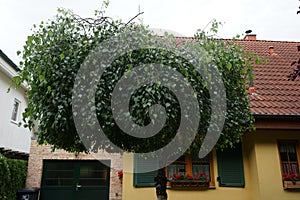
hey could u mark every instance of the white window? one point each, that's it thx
(15, 111)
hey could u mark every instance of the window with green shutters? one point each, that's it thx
(144, 179)
(230, 167)
(186, 164)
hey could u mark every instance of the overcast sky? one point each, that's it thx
(269, 19)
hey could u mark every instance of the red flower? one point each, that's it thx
(120, 174)
(199, 176)
(189, 177)
(291, 177)
(178, 176)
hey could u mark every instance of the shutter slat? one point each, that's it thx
(230, 167)
(144, 179)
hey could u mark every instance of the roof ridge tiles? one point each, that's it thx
(231, 39)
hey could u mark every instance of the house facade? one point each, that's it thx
(252, 171)
(14, 139)
(255, 170)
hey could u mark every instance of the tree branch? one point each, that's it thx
(134, 18)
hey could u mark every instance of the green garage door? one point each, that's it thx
(75, 180)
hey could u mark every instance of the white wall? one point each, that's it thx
(11, 135)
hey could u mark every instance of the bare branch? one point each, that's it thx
(134, 18)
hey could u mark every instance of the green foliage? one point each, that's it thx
(235, 64)
(55, 51)
(52, 55)
(4, 177)
(12, 177)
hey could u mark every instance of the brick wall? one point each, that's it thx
(38, 153)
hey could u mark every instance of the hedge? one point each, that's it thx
(12, 177)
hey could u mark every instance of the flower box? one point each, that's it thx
(291, 184)
(189, 185)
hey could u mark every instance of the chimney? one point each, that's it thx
(251, 84)
(298, 48)
(271, 50)
(250, 37)
(251, 90)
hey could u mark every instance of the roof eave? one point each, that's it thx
(276, 115)
(9, 68)
(9, 61)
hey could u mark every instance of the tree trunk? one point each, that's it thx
(161, 185)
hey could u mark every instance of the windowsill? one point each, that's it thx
(14, 122)
(288, 185)
(210, 187)
(186, 185)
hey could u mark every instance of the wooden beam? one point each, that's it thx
(277, 123)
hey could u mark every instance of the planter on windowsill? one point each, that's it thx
(189, 185)
(291, 184)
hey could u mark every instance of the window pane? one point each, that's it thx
(15, 111)
(196, 159)
(201, 168)
(200, 165)
(92, 175)
(171, 170)
(58, 166)
(59, 175)
(288, 157)
(59, 182)
(176, 169)
(293, 157)
(283, 156)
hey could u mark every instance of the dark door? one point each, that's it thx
(75, 180)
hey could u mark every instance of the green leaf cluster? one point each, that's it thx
(12, 177)
(55, 51)
(51, 57)
(236, 67)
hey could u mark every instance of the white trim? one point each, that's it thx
(16, 121)
(9, 71)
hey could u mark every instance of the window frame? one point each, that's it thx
(199, 162)
(189, 167)
(177, 163)
(296, 142)
(15, 113)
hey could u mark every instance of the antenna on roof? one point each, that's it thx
(249, 36)
(140, 18)
(248, 31)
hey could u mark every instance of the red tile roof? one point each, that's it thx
(274, 94)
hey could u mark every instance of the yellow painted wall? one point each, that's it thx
(261, 168)
(268, 164)
(129, 192)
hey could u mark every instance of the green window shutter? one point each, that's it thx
(230, 167)
(144, 179)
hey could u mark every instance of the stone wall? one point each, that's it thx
(39, 153)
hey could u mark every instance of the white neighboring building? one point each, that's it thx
(14, 140)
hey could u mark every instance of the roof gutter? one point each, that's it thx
(9, 68)
(9, 61)
(275, 116)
